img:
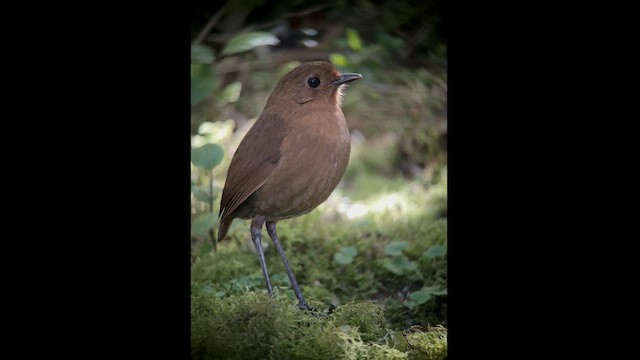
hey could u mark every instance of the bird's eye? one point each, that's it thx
(313, 82)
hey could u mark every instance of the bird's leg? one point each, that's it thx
(256, 227)
(302, 303)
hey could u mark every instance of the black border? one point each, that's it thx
(103, 267)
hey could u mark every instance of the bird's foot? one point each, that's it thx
(331, 308)
(306, 307)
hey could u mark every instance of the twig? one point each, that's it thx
(211, 190)
(288, 15)
(207, 28)
(231, 65)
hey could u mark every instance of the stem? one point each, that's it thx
(213, 240)
(207, 28)
(211, 191)
(211, 231)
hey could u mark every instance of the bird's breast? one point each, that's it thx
(314, 157)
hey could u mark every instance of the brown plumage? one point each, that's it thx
(291, 159)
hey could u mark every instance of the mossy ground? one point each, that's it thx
(367, 250)
(254, 326)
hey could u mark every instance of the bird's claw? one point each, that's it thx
(306, 307)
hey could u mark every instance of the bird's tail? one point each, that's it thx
(223, 228)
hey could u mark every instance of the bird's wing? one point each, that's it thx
(253, 163)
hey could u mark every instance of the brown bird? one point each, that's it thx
(291, 159)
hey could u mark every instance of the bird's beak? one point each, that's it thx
(345, 78)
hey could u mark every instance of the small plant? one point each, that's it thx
(204, 79)
(434, 252)
(399, 264)
(207, 157)
(396, 261)
(426, 293)
(423, 295)
(345, 255)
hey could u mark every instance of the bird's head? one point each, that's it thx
(315, 81)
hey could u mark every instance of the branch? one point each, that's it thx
(207, 28)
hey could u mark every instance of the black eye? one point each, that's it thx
(313, 82)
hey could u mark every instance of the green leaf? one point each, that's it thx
(420, 297)
(393, 267)
(345, 255)
(213, 132)
(339, 60)
(201, 225)
(440, 292)
(423, 295)
(410, 304)
(201, 194)
(207, 290)
(342, 259)
(248, 41)
(349, 250)
(207, 156)
(231, 93)
(435, 251)
(395, 248)
(400, 265)
(204, 81)
(410, 266)
(353, 39)
(435, 290)
(245, 282)
(280, 279)
(201, 54)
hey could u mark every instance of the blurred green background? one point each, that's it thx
(382, 234)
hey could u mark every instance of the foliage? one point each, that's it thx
(345, 255)
(207, 156)
(202, 223)
(249, 41)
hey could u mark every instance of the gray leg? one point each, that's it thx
(256, 227)
(302, 303)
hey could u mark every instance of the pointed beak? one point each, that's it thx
(345, 78)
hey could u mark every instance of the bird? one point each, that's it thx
(291, 159)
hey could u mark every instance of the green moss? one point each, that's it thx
(314, 340)
(228, 263)
(367, 317)
(431, 344)
(255, 326)
(238, 327)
